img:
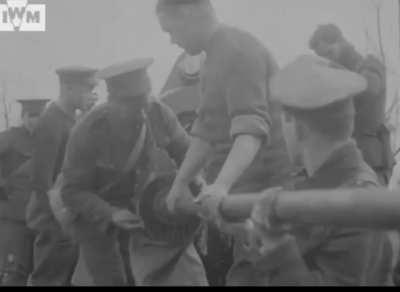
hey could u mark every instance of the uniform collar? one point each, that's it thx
(337, 168)
(68, 116)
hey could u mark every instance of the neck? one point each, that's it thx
(66, 106)
(316, 153)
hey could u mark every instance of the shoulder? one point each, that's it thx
(244, 52)
(365, 177)
(372, 64)
(93, 122)
(161, 113)
(48, 122)
(236, 40)
(8, 136)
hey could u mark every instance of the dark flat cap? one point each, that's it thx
(311, 82)
(33, 106)
(77, 74)
(127, 78)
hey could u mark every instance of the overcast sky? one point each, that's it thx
(101, 32)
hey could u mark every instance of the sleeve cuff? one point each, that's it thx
(250, 125)
(92, 208)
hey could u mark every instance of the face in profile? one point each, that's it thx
(81, 94)
(182, 27)
(30, 121)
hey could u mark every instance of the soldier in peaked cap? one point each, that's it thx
(101, 176)
(54, 253)
(16, 239)
(318, 122)
(371, 133)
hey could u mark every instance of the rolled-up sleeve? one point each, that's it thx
(247, 97)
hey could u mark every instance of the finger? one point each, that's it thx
(258, 214)
(133, 225)
(253, 237)
(171, 200)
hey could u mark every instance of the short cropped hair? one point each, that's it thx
(334, 122)
(171, 5)
(328, 33)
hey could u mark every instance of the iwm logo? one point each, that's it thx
(19, 15)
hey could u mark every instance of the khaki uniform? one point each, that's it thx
(55, 255)
(16, 239)
(370, 132)
(96, 156)
(329, 255)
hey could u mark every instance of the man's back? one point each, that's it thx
(235, 100)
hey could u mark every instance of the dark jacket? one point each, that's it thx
(371, 134)
(15, 172)
(50, 140)
(334, 256)
(99, 149)
(235, 100)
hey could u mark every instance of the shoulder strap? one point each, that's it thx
(136, 150)
(157, 123)
(133, 159)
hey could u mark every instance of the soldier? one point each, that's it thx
(16, 240)
(237, 137)
(104, 168)
(54, 254)
(371, 133)
(318, 124)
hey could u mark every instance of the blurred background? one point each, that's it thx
(101, 32)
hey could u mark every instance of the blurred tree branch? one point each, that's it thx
(5, 104)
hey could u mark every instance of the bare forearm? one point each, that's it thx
(242, 154)
(195, 160)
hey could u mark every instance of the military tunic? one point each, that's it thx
(54, 254)
(16, 239)
(329, 255)
(370, 132)
(96, 156)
